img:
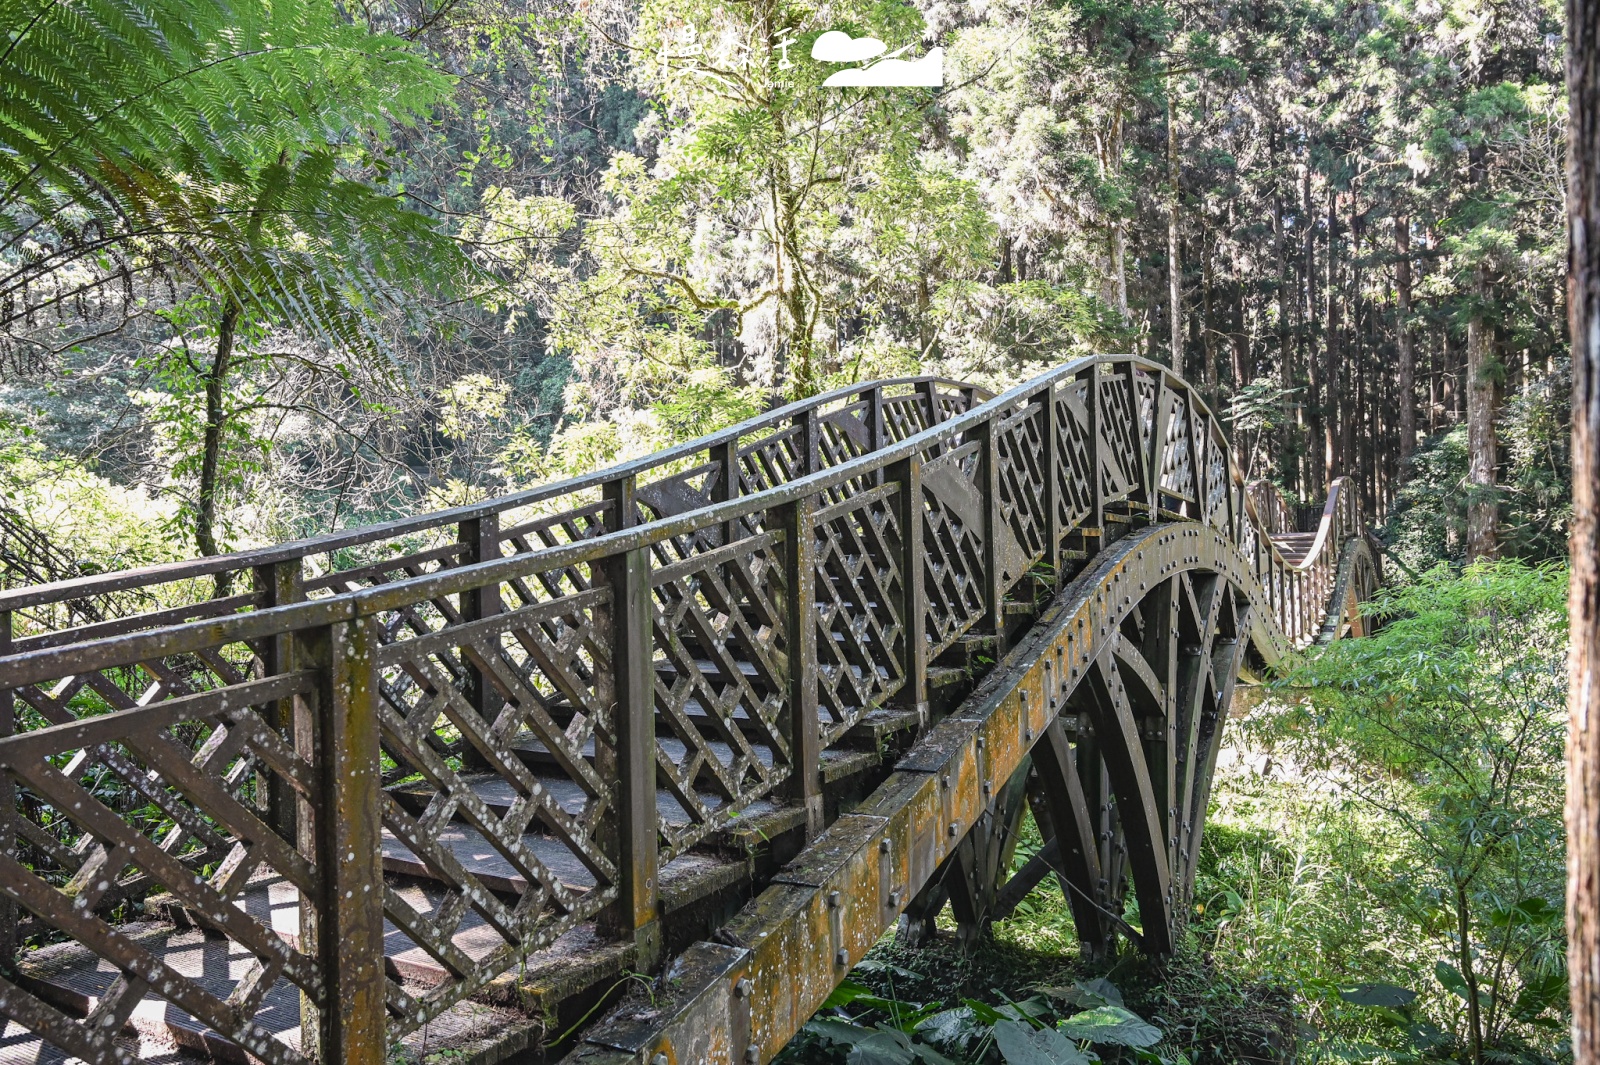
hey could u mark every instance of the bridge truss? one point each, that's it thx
(729, 713)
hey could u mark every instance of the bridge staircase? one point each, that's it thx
(454, 787)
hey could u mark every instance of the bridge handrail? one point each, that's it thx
(30, 665)
(80, 588)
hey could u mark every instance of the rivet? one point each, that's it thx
(841, 958)
(742, 988)
(833, 900)
(883, 846)
(752, 1054)
(954, 829)
(659, 1059)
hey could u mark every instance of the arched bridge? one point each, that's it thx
(443, 788)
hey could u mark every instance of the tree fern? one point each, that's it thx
(159, 142)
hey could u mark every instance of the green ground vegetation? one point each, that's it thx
(1380, 881)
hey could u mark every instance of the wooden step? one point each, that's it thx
(73, 979)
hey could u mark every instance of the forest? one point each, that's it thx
(273, 268)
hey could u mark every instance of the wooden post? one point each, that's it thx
(913, 695)
(480, 541)
(8, 809)
(634, 843)
(1050, 468)
(279, 583)
(635, 914)
(877, 431)
(1097, 455)
(988, 485)
(807, 440)
(343, 836)
(928, 392)
(800, 617)
(725, 457)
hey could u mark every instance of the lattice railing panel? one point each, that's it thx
(771, 461)
(1120, 462)
(861, 595)
(465, 716)
(1176, 470)
(720, 671)
(904, 416)
(953, 546)
(1020, 448)
(1074, 457)
(1217, 479)
(166, 801)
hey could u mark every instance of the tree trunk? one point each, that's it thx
(1206, 327)
(1583, 737)
(205, 523)
(1174, 261)
(1483, 512)
(1330, 372)
(1469, 973)
(1407, 384)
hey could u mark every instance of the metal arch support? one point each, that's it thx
(787, 950)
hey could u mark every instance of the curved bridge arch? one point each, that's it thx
(729, 711)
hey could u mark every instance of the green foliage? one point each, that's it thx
(210, 148)
(862, 1027)
(1446, 729)
(94, 524)
(1428, 522)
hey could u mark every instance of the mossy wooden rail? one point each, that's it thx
(454, 783)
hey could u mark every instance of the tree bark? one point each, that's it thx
(1469, 973)
(1583, 737)
(1174, 262)
(205, 524)
(1483, 511)
(1407, 384)
(1330, 345)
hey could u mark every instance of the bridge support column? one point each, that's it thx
(8, 809)
(279, 583)
(1050, 467)
(635, 915)
(480, 542)
(913, 695)
(800, 616)
(993, 621)
(344, 836)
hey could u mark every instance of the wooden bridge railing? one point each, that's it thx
(650, 662)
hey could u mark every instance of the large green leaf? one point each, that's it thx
(1114, 1025)
(1378, 995)
(1089, 994)
(1021, 1043)
(883, 1047)
(953, 1031)
(1451, 979)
